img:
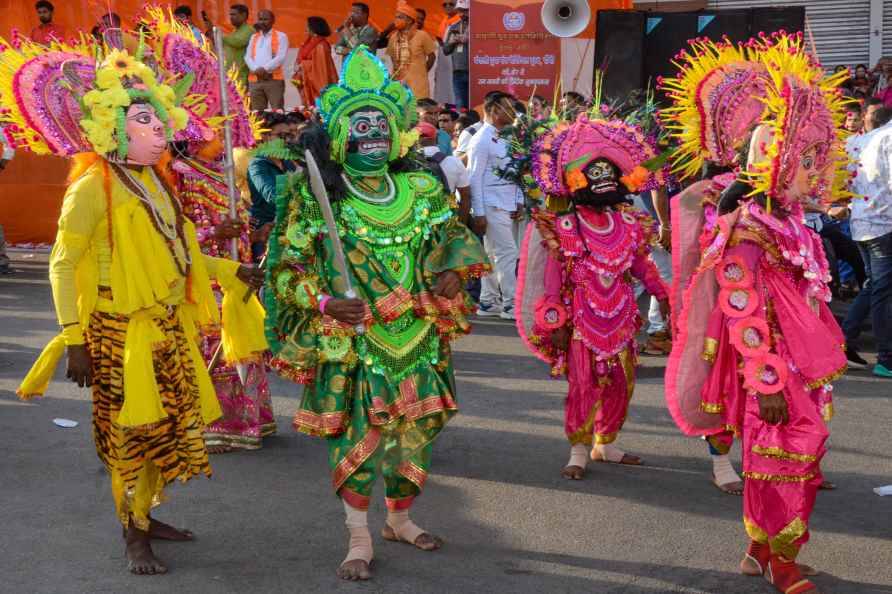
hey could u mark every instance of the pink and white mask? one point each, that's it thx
(146, 137)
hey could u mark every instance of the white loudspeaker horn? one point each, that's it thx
(566, 18)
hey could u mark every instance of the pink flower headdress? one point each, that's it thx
(560, 154)
(805, 111)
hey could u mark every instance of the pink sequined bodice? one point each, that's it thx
(600, 248)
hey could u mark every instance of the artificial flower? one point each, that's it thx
(636, 179)
(576, 180)
(122, 63)
(180, 118)
(407, 141)
(106, 78)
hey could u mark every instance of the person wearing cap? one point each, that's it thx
(456, 45)
(449, 169)
(411, 50)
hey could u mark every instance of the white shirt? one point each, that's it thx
(8, 151)
(264, 58)
(464, 139)
(456, 173)
(872, 211)
(486, 153)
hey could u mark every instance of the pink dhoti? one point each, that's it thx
(599, 394)
(781, 464)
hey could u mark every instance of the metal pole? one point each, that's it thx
(228, 163)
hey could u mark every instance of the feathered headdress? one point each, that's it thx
(718, 98)
(181, 56)
(365, 83)
(65, 99)
(805, 110)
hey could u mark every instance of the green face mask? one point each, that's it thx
(368, 144)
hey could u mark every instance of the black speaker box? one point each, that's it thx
(634, 48)
(619, 48)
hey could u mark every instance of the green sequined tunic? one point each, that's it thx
(396, 379)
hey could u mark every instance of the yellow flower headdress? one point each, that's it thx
(60, 99)
(717, 101)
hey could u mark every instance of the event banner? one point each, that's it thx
(511, 50)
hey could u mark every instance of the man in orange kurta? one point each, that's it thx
(412, 51)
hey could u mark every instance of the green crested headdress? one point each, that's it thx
(365, 83)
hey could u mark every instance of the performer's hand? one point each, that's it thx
(517, 215)
(3, 163)
(228, 229)
(665, 238)
(348, 311)
(773, 409)
(80, 366)
(261, 234)
(478, 225)
(253, 277)
(560, 338)
(448, 284)
(838, 212)
(665, 309)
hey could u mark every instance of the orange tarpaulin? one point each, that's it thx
(291, 15)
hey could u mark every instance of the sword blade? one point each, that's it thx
(321, 194)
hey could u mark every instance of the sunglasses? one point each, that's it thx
(449, 5)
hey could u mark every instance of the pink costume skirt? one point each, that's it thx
(247, 409)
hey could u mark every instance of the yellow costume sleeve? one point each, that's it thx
(82, 210)
(242, 334)
(70, 274)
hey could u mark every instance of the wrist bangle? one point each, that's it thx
(323, 301)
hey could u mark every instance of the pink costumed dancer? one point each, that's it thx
(757, 346)
(575, 298)
(718, 99)
(244, 398)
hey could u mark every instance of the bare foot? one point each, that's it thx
(425, 540)
(574, 472)
(355, 570)
(827, 486)
(161, 531)
(748, 566)
(140, 558)
(220, 449)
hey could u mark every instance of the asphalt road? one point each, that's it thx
(267, 521)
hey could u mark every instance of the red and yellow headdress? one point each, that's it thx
(717, 101)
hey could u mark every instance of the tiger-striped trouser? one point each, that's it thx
(142, 460)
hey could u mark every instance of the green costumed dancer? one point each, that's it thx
(377, 368)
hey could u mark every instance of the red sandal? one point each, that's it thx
(757, 554)
(785, 575)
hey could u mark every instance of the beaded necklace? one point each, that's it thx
(171, 230)
(358, 193)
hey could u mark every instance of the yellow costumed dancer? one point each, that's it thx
(130, 284)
